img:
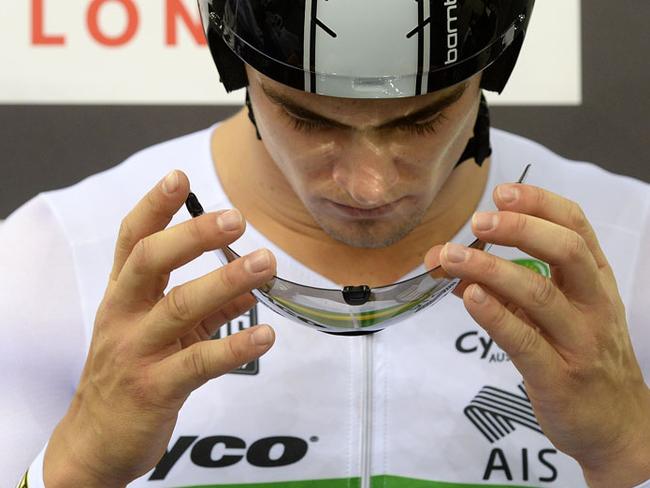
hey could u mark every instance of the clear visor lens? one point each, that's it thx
(335, 311)
(359, 308)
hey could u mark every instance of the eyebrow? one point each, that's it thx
(421, 114)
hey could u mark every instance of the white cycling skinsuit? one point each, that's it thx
(428, 403)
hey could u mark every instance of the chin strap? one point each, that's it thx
(478, 147)
(251, 114)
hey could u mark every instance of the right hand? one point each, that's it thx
(150, 351)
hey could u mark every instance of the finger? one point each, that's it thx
(146, 272)
(151, 214)
(190, 368)
(432, 257)
(536, 295)
(562, 248)
(528, 349)
(186, 305)
(432, 260)
(549, 206)
(232, 310)
(208, 327)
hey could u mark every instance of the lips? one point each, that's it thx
(365, 213)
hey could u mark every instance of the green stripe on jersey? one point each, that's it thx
(385, 481)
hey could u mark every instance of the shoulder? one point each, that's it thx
(607, 198)
(93, 208)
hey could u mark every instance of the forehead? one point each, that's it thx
(332, 106)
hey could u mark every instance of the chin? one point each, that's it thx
(369, 234)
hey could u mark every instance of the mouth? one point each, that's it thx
(349, 212)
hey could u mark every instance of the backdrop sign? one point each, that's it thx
(153, 52)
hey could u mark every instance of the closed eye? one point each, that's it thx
(428, 126)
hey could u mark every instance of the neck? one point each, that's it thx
(269, 204)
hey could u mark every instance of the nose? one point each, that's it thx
(367, 172)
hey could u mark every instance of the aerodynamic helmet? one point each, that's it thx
(366, 48)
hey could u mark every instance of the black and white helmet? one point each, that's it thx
(366, 48)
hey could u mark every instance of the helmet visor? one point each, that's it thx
(353, 309)
(404, 49)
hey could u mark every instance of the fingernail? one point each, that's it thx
(230, 220)
(507, 193)
(170, 183)
(262, 336)
(478, 295)
(485, 221)
(455, 252)
(258, 261)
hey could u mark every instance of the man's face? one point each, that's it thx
(367, 171)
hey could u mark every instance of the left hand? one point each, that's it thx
(567, 335)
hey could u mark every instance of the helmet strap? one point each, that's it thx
(478, 147)
(251, 114)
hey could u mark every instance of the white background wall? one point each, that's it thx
(61, 52)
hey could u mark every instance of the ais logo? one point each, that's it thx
(497, 413)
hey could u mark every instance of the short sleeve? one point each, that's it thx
(41, 333)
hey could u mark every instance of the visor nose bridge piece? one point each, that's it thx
(367, 171)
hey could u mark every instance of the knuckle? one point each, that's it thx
(197, 364)
(574, 246)
(577, 374)
(542, 290)
(527, 341)
(491, 265)
(540, 198)
(141, 256)
(178, 306)
(500, 317)
(520, 224)
(235, 351)
(126, 235)
(230, 275)
(576, 217)
(152, 202)
(194, 230)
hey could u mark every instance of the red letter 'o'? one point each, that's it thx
(129, 32)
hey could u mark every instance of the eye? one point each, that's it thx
(306, 125)
(427, 127)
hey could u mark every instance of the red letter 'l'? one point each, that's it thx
(38, 35)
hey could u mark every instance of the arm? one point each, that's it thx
(41, 333)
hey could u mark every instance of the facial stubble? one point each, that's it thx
(370, 233)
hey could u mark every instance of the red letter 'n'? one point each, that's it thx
(175, 9)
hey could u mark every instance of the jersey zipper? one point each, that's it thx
(366, 411)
